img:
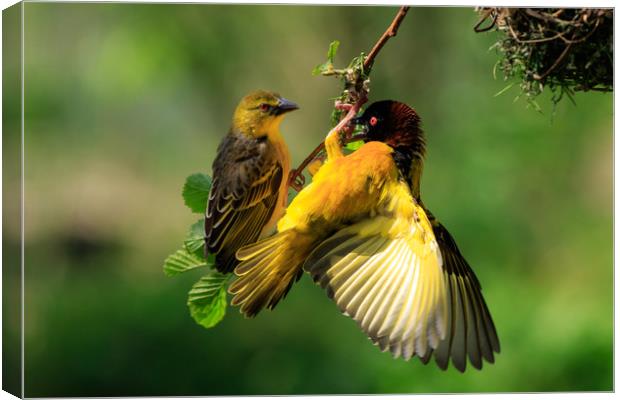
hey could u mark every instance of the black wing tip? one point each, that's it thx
(460, 365)
(225, 263)
(484, 328)
(495, 346)
(205, 250)
(220, 265)
(221, 270)
(490, 358)
(249, 308)
(463, 367)
(249, 314)
(427, 357)
(442, 365)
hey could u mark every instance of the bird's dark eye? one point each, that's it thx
(264, 107)
(373, 121)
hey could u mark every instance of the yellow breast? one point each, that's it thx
(284, 157)
(343, 188)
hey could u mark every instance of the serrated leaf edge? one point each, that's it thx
(182, 261)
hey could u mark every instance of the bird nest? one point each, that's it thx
(564, 49)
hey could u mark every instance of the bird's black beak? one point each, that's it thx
(360, 121)
(285, 106)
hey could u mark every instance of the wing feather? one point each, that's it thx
(387, 298)
(243, 197)
(408, 293)
(471, 332)
(393, 287)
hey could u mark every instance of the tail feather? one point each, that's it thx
(267, 270)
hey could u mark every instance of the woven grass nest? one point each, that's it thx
(564, 49)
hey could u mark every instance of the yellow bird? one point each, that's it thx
(250, 178)
(362, 232)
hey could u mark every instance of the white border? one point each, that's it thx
(508, 3)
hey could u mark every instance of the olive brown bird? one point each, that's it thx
(361, 230)
(250, 178)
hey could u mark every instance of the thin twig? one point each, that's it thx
(555, 64)
(541, 40)
(546, 17)
(389, 32)
(484, 17)
(296, 177)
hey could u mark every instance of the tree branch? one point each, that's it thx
(389, 33)
(296, 178)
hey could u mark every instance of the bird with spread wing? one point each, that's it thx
(250, 178)
(361, 230)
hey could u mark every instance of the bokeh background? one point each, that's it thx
(124, 101)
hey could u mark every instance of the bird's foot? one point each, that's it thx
(339, 105)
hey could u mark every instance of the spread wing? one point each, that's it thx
(385, 273)
(471, 332)
(244, 194)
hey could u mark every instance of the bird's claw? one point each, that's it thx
(296, 181)
(342, 106)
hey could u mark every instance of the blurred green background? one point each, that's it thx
(124, 101)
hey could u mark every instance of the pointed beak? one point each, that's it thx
(360, 121)
(357, 120)
(285, 106)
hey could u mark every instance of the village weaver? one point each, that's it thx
(362, 232)
(250, 178)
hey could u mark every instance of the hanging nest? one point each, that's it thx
(564, 49)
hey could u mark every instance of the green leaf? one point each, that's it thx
(504, 90)
(354, 145)
(318, 70)
(329, 64)
(207, 299)
(333, 49)
(196, 192)
(536, 106)
(182, 261)
(195, 240)
(357, 64)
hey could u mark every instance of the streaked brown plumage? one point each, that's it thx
(250, 178)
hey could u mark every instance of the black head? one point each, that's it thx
(393, 123)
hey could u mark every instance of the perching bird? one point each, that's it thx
(362, 232)
(250, 178)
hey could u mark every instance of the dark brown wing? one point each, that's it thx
(471, 332)
(244, 194)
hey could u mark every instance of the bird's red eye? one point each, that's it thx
(373, 121)
(264, 107)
